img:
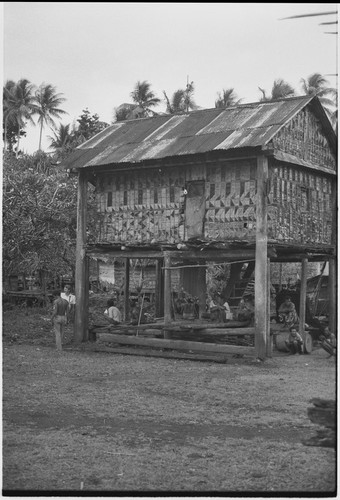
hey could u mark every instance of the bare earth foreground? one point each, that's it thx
(84, 421)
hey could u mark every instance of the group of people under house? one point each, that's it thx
(219, 311)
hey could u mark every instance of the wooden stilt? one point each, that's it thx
(86, 299)
(332, 277)
(332, 265)
(159, 289)
(193, 281)
(269, 338)
(80, 328)
(261, 264)
(126, 289)
(167, 290)
(303, 297)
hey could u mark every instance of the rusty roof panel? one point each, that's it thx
(80, 158)
(201, 131)
(193, 124)
(166, 128)
(104, 134)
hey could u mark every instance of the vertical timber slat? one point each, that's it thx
(303, 295)
(332, 295)
(269, 338)
(167, 290)
(126, 289)
(332, 273)
(86, 301)
(80, 333)
(261, 264)
(159, 289)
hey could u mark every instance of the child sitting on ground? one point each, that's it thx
(294, 342)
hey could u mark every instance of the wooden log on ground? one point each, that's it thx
(280, 341)
(213, 332)
(179, 324)
(117, 330)
(132, 351)
(175, 344)
(201, 326)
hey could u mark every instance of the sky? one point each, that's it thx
(94, 53)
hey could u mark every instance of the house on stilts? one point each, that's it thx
(250, 183)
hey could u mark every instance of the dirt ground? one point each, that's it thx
(91, 422)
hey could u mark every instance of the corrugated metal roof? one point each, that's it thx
(133, 141)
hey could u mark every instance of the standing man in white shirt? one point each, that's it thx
(71, 299)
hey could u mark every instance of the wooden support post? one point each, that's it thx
(193, 281)
(80, 323)
(159, 288)
(261, 264)
(332, 277)
(126, 310)
(332, 267)
(269, 350)
(167, 290)
(235, 273)
(202, 292)
(303, 297)
(86, 299)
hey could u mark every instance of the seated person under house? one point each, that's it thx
(113, 313)
(328, 342)
(287, 313)
(219, 309)
(246, 310)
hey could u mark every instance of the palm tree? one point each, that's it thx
(181, 101)
(189, 102)
(7, 108)
(316, 84)
(144, 98)
(47, 102)
(175, 104)
(62, 137)
(227, 98)
(63, 141)
(280, 90)
(19, 105)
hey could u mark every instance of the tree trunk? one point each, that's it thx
(41, 129)
(17, 151)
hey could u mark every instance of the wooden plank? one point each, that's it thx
(303, 298)
(216, 255)
(202, 326)
(269, 342)
(86, 300)
(176, 344)
(126, 289)
(159, 288)
(195, 207)
(261, 264)
(80, 332)
(332, 277)
(213, 332)
(131, 351)
(119, 331)
(167, 289)
(158, 327)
